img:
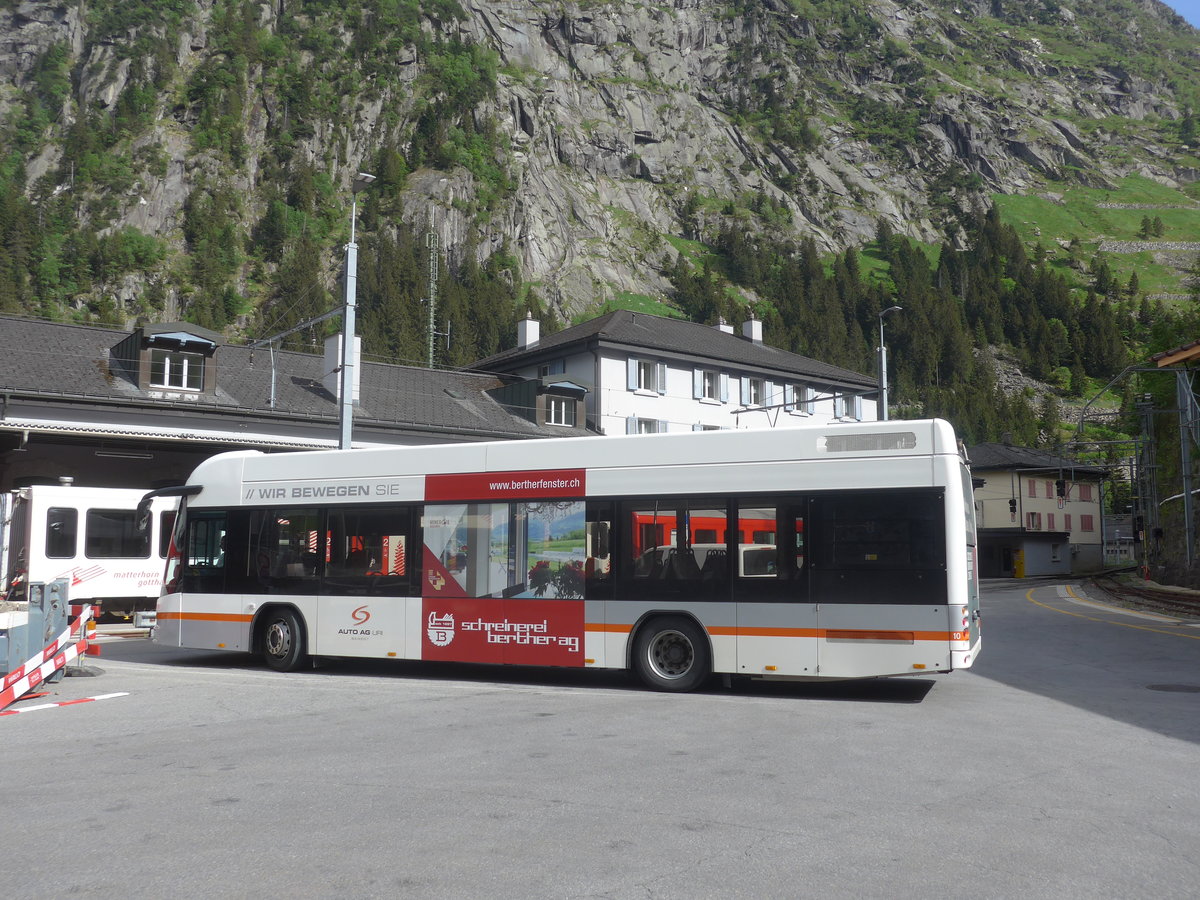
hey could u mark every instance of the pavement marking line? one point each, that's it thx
(13, 712)
(1068, 593)
(1067, 612)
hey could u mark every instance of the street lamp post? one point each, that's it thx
(346, 411)
(883, 385)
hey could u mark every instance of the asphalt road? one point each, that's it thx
(1066, 764)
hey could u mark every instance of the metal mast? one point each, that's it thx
(431, 244)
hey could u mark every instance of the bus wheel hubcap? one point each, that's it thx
(279, 639)
(671, 654)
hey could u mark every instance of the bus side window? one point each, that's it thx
(367, 551)
(62, 532)
(597, 567)
(287, 550)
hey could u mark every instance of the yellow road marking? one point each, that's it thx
(1067, 612)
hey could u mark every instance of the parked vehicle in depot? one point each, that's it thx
(90, 537)
(824, 552)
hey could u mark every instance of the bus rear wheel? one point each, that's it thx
(671, 654)
(283, 640)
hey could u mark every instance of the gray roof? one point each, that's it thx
(1006, 456)
(69, 368)
(675, 337)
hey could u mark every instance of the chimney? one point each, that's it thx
(529, 332)
(724, 326)
(332, 379)
(752, 329)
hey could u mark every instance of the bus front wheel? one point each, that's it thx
(283, 640)
(671, 654)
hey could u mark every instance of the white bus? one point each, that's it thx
(88, 536)
(856, 549)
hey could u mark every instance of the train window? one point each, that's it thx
(62, 532)
(113, 534)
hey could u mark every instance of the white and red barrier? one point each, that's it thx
(45, 663)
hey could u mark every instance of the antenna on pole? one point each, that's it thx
(431, 244)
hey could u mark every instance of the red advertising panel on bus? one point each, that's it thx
(521, 632)
(506, 485)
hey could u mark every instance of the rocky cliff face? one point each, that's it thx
(619, 125)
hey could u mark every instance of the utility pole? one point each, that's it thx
(346, 407)
(431, 244)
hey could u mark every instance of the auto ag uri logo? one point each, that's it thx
(361, 616)
(441, 629)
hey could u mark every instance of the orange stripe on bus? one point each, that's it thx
(827, 633)
(611, 629)
(206, 617)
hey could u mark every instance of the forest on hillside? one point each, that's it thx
(267, 88)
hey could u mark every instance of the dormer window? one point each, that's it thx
(176, 370)
(175, 361)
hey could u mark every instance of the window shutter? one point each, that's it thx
(631, 367)
(856, 407)
(697, 383)
(839, 407)
(631, 425)
(745, 390)
(660, 377)
(724, 387)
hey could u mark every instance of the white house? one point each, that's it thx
(641, 373)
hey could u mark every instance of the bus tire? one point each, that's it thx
(283, 640)
(671, 653)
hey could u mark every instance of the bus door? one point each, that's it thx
(879, 577)
(776, 619)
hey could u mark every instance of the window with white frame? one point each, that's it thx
(639, 425)
(1033, 521)
(798, 399)
(560, 410)
(710, 385)
(647, 376)
(752, 391)
(176, 370)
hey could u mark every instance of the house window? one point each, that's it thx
(1032, 488)
(797, 399)
(1033, 521)
(558, 367)
(638, 425)
(1087, 523)
(1055, 552)
(711, 388)
(754, 391)
(647, 376)
(560, 411)
(1085, 493)
(180, 371)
